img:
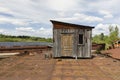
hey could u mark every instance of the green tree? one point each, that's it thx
(107, 39)
(9, 38)
(102, 36)
(114, 34)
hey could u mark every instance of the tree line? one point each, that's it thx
(107, 39)
(23, 38)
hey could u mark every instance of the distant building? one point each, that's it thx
(96, 46)
(117, 44)
(71, 40)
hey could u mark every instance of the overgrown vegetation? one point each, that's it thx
(107, 39)
(9, 38)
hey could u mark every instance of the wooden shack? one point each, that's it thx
(71, 40)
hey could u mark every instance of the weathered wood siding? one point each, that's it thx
(84, 50)
(79, 50)
(57, 41)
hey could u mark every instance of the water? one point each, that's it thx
(10, 44)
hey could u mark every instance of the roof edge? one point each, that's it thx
(60, 22)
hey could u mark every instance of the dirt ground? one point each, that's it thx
(38, 68)
(115, 53)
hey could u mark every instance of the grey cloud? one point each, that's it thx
(41, 11)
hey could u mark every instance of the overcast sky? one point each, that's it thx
(32, 17)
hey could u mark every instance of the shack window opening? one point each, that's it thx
(80, 38)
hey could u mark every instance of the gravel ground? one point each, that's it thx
(38, 68)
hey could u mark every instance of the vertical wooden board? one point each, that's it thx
(80, 51)
(86, 44)
(55, 43)
(75, 44)
(89, 42)
(59, 43)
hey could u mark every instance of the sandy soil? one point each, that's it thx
(38, 68)
(115, 53)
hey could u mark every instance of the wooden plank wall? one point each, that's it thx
(79, 50)
(84, 50)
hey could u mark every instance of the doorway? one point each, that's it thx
(67, 44)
